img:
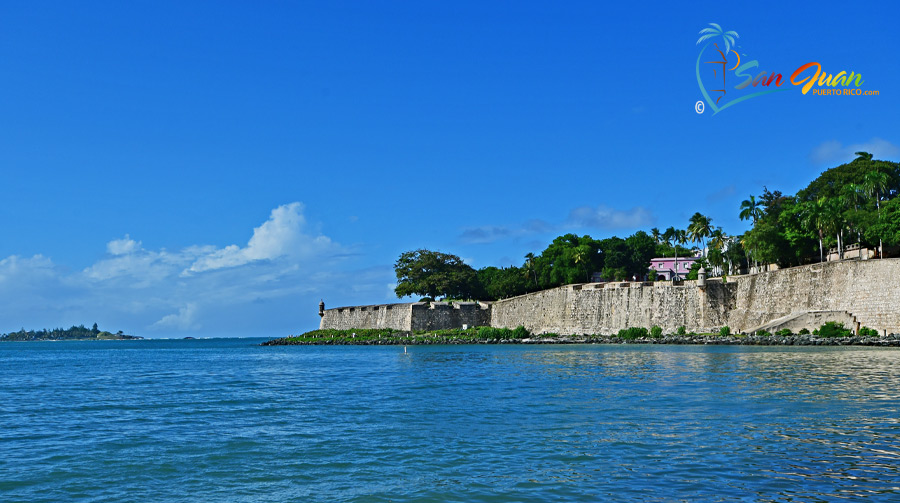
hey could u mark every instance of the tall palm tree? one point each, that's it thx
(874, 183)
(834, 222)
(668, 237)
(529, 266)
(680, 239)
(863, 156)
(699, 229)
(581, 257)
(750, 209)
(655, 234)
(813, 216)
(717, 241)
(852, 194)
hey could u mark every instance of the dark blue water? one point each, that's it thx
(226, 420)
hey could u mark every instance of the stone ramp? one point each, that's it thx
(810, 320)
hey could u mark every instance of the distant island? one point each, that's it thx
(79, 333)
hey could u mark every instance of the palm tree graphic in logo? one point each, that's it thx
(728, 39)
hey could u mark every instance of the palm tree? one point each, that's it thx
(834, 222)
(813, 216)
(874, 183)
(750, 209)
(699, 228)
(862, 156)
(655, 234)
(853, 194)
(717, 241)
(680, 239)
(581, 257)
(669, 238)
(529, 266)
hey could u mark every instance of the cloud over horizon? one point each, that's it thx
(198, 287)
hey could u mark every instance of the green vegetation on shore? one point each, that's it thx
(489, 335)
(79, 333)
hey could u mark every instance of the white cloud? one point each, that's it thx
(20, 271)
(606, 218)
(123, 246)
(234, 290)
(184, 319)
(281, 235)
(834, 151)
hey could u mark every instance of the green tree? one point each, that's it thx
(568, 259)
(874, 183)
(641, 249)
(699, 229)
(750, 209)
(434, 274)
(815, 216)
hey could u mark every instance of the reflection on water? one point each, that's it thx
(227, 420)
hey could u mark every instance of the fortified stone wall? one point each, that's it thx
(867, 289)
(396, 316)
(604, 308)
(440, 315)
(415, 316)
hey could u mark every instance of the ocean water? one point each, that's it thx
(228, 420)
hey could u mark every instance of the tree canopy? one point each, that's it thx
(434, 274)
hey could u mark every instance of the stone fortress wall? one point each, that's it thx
(409, 316)
(867, 292)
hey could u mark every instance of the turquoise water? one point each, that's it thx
(226, 420)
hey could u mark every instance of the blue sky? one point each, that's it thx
(216, 168)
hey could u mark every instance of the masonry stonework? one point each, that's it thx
(867, 291)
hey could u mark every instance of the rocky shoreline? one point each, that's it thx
(892, 340)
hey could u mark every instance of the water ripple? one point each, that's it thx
(225, 420)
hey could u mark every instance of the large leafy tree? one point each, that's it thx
(434, 274)
(568, 259)
(500, 283)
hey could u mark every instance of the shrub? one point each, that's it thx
(866, 331)
(833, 329)
(633, 333)
(764, 333)
(784, 332)
(426, 299)
(520, 333)
(656, 332)
(681, 331)
(725, 331)
(804, 331)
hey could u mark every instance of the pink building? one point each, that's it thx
(665, 266)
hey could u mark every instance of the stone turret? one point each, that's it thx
(701, 277)
(321, 308)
